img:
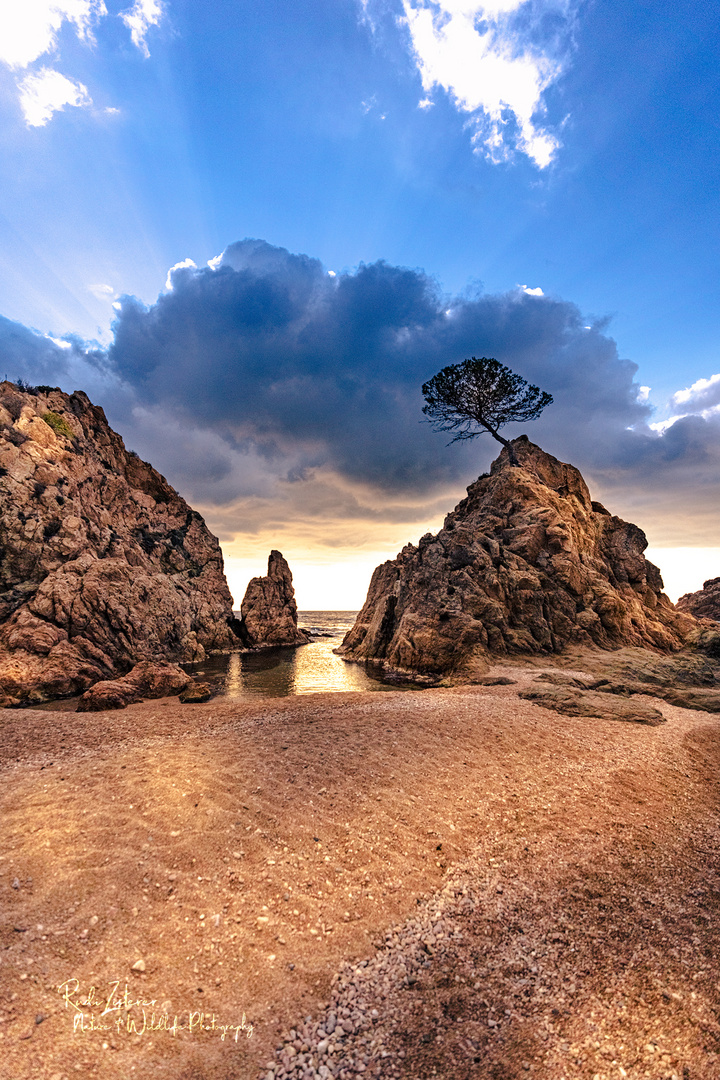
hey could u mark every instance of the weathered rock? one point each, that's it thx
(705, 603)
(146, 680)
(572, 702)
(632, 666)
(269, 612)
(703, 700)
(196, 693)
(102, 564)
(683, 679)
(527, 563)
(705, 638)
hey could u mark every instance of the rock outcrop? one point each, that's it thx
(268, 614)
(102, 564)
(146, 680)
(705, 603)
(527, 563)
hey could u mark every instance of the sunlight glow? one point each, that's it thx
(684, 569)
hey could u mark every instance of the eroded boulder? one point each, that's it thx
(146, 680)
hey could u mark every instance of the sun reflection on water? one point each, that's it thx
(283, 672)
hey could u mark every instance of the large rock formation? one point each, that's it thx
(102, 564)
(526, 563)
(705, 603)
(269, 612)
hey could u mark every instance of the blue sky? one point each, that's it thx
(534, 167)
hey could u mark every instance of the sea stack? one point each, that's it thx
(102, 563)
(527, 563)
(268, 615)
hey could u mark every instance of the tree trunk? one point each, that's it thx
(508, 446)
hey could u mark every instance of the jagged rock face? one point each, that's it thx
(705, 603)
(102, 564)
(269, 612)
(526, 563)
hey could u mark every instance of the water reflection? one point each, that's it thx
(307, 669)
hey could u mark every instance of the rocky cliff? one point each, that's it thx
(102, 564)
(705, 603)
(269, 612)
(527, 563)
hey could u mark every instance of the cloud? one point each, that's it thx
(46, 359)
(29, 29)
(141, 16)
(532, 292)
(184, 265)
(702, 395)
(102, 292)
(319, 377)
(286, 403)
(48, 92)
(495, 60)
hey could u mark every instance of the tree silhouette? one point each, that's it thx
(481, 395)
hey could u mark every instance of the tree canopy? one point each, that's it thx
(481, 395)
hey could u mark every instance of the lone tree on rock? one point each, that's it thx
(481, 395)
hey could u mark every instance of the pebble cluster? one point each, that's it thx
(352, 1037)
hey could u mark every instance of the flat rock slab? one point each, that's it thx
(572, 702)
(704, 700)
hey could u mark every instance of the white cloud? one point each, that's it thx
(102, 292)
(531, 292)
(186, 264)
(141, 16)
(702, 392)
(61, 344)
(215, 263)
(28, 28)
(475, 53)
(661, 426)
(643, 393)
(48, 92)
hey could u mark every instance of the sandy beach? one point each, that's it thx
(210, 869)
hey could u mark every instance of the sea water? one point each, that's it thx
(305, 669)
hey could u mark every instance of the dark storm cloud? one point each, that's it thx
(275, 394)
(29, 356)
(276, 355)
(38, 359)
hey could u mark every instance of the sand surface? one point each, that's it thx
(224, 860)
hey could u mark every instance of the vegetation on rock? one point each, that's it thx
(481, 395)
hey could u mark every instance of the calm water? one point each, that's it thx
(304, 670)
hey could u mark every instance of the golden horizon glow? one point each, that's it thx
(338, 579)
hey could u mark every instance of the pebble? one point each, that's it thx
(349, 1038)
